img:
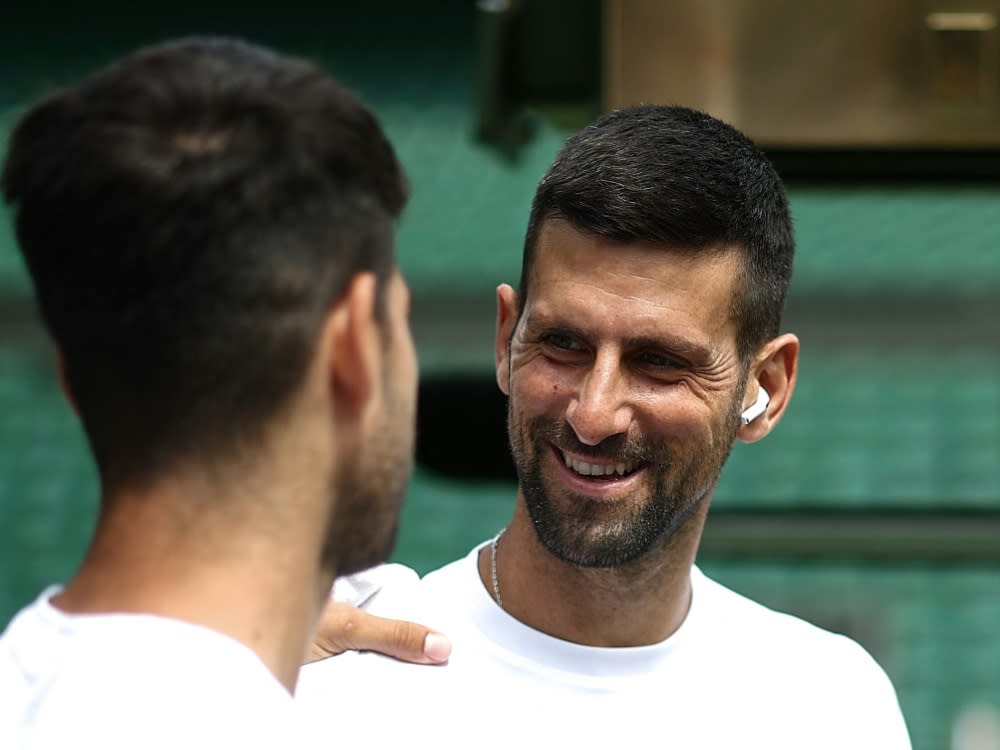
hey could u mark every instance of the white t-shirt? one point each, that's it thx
(734, 675)
(134, 681)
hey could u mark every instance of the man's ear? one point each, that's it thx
(775, 369)
(506, 320)
(354, 346)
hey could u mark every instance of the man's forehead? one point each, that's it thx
(565, 256)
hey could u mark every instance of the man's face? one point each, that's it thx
(374, 483)
(624, 384)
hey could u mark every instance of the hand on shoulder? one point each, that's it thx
(345, 626)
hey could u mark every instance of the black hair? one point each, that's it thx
(188, 216)
(676, 177)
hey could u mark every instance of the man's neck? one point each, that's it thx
(155, 556)
(637, 604)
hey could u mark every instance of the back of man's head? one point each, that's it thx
(671, 176)
(188, 216)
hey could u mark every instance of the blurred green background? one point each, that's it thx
(897, 413)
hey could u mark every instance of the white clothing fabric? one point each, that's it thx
(367, 588)
(134, 681)
(734, 675)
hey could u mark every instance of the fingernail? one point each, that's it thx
(437, 647)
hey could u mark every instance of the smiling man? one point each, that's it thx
(644, 340)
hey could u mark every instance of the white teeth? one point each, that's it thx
(597, 470)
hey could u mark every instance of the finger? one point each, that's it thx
(403, 640)
(333, 631)
(343, 627)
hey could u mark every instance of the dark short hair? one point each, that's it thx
(673, 176)
(188, 216)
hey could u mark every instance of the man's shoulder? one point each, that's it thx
(131, 680)
(453, 574)
(734, 621)
(394, 590)
(791, 650)
(370, 588)
(772, 657)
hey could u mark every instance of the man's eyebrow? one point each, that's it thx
(534, 319)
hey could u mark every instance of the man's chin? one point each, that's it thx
(591, 536)
(602, 533)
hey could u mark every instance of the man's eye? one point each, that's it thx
(561, 341)
(652, 359)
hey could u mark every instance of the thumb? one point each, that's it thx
(343, 627)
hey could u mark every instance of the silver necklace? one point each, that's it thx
(493, 568)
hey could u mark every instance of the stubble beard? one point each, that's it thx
(589, 537)
(368, 496)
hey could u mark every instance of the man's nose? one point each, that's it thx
(601, 407)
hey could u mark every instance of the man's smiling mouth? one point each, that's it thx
(599, 470)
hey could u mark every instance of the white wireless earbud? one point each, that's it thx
(757, 408)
